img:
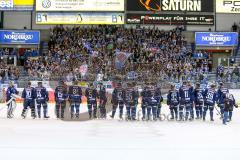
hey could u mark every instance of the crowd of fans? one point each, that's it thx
(8, 72)
(154, 54)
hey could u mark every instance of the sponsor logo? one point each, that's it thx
(182, 5)
(46, 3)
(172, 5)
(148, 3)
(18, 36)
(216, 37)
(235, 5)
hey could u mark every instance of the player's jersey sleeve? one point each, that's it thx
(24, 93)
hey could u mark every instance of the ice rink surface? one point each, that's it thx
(114, 140)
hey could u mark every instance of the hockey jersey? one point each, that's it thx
(130, 96)
(153, 99)
(198, 96)
(185, 94)
(28, 94)
(117, 95)
(91, 94)
(41, 94)
(75, 93)
(173, 97)
(221, 94)
(210, 97)
(144, 95)
(10, 91)
(60, 93)
(158, 94)
(102, 93)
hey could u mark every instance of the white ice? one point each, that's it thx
(113, 139)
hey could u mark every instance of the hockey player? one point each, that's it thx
(152, 103)
(144, 102)
(41, 100)
(60, 98)
(186, 98)
(159, 98)
(117, 100)
(210, 97)
(103, 101)
(11, 90)
(192, 100)
(92, 95)
(173, 102)
(221, 93)
(130, 98)
(198, 100)
(229, 103)
(75, 99)
(28, 96)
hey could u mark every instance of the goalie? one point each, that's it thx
(11, 99)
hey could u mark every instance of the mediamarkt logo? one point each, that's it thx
(172, 5)
(18, 36)
(215, 37)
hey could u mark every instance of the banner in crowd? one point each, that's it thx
(228, 6)
(79, 18)
(79, 5)
(16, 5)
(19, 37)
(170, 5)
(216, 38)
(121, 58)
(170, 19)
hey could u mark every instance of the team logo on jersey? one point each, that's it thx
(46, 3)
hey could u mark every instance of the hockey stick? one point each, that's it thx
(218, 112)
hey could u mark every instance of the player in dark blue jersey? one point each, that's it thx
(152, 103)
(144, 95)
(41, 100)
(173, 102)
(158, 95)
(198, 100)
(222, 91)
(11, 91)
(229, 103)
(61, 96)
(75, 99)
(210, 98)
(92, 95)
(186, 99)
(102, 100)
(29, 96)
(117, 100)
(130, 95)
(192, 100)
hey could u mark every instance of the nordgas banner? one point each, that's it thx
(19, 37)
(79, 18)
(228, 6)
(170, 5)
(216, 38)
(79, 5)
(16, 5)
